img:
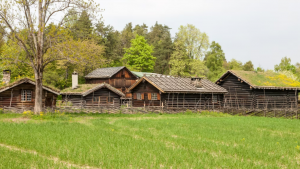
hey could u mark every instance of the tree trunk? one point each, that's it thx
(38, 102)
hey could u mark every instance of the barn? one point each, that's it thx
(259, 90)
(176, 92)
(119, 77)
(21, 94)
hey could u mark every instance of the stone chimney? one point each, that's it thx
(6, 76)
(74, 80)
(196, 81)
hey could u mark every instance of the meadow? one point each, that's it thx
(187, 140)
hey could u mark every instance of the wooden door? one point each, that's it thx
(48, 102)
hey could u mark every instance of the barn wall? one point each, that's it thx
(240, 95)
(12, 97)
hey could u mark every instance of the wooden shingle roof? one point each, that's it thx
(169, 84)
(85, 89)
(107, 72)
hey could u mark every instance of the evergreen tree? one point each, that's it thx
(110, 38)
(83, 27)
(160, 38)
(139, 56)
(141, 30)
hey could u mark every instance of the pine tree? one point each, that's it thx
(160, 38)
(83, 27)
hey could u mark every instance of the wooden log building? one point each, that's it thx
(21, 94)
(259, 90)
(92, 95)
(173, 92)
(119, 77)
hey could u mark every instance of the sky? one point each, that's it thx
(263, 31)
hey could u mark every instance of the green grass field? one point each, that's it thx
(208, 140)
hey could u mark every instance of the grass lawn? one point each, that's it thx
(207, 140)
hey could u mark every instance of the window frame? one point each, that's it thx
(152, 96)
(214, 99)
(138, 96)
(26, 95)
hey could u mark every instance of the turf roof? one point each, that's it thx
(265, 79)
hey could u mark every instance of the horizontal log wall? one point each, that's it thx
(242, 96)
(88, 101)
(12, 97)
(121, 81)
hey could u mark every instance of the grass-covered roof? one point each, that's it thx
(85, 89)
(20, 80)
(268, 79)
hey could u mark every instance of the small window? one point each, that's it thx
(215, 98)
(96, 99)
(123, 76)
(26, 95)
(138, 96)
(110, 99)
(153, 96)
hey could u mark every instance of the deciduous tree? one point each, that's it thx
(248, 66)
(26, 21)
(139, 56)
(195, 41)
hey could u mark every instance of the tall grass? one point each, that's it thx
(207, 140)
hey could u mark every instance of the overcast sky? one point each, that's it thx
(262, 31)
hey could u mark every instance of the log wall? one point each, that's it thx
(101, 95)
(121, 81)
(12, 97)
(242, 96)
(175, 100)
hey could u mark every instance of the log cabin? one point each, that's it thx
(173, 92)
(21, 94)
(91, 95)
(259, 90)
(119, 77)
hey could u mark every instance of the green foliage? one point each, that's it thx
(235, 65)
(259, 69)
(139, 56)
(160, 38)
(248, 66)
(115, 140)
(179, 60)
(110, 38)
(214, 60)
(182, 65)
(82, 29)
(285, 64)
(195, 41)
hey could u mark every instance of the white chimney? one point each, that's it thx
(6, 76)
(74, 80)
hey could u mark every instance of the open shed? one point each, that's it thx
(259, 90)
